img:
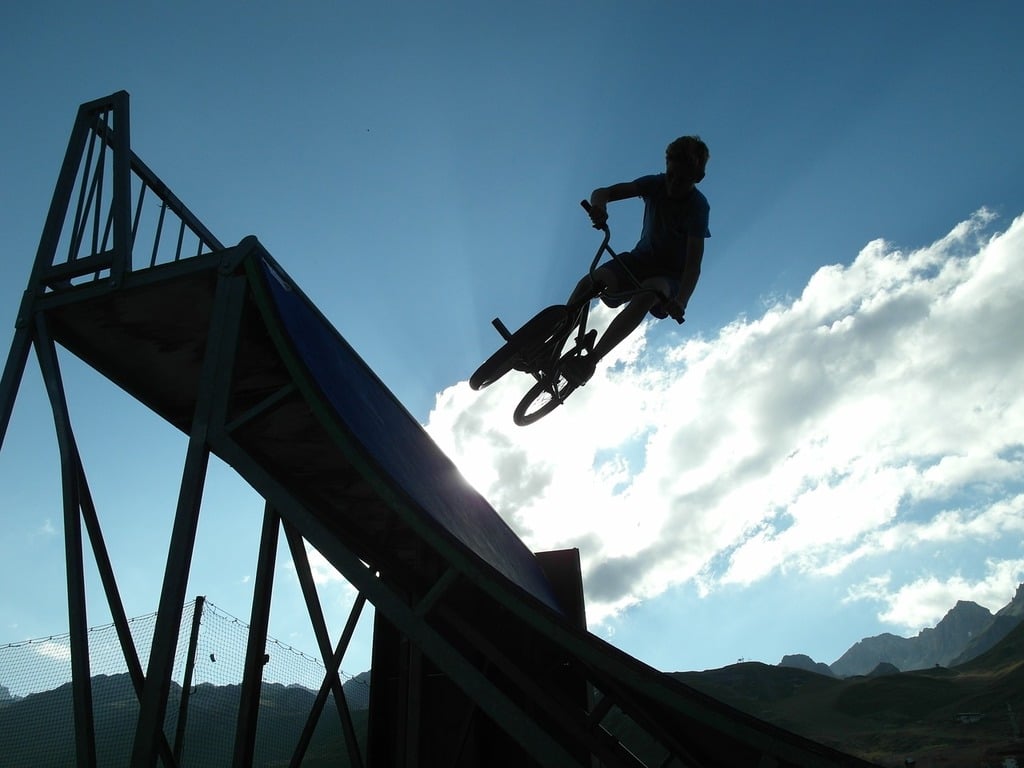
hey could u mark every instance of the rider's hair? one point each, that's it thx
(692, 151)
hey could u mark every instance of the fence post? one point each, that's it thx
(186, 684)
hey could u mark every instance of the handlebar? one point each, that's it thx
(603, 227)
(638, 288)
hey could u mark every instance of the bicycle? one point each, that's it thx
(538, 347)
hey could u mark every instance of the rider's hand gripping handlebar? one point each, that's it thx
(598, 224)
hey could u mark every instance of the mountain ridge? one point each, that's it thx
(967, 631)
(965, 715)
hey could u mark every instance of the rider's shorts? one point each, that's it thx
(641, 268)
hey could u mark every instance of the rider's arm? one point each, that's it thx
(604, 195)
(601, 196)
(688, 280)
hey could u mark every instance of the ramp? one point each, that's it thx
(225, 346)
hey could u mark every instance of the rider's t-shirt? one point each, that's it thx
(668, 222)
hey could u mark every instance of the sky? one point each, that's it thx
(829, 448)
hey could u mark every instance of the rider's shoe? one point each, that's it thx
(579, 369)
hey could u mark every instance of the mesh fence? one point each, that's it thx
(37, 714)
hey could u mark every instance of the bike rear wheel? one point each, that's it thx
(535, 333)
(542, 399)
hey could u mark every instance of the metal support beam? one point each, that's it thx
(179, 559)
(78, 625)
(573, 724)
(541, 745)
(186, 683)
(211, 405)
(109, 581)
(633, 710)
(332, 684)
(85, 122)
(413, 704)
(332, 661)
(121, 202)
(442, 585)
(14, 369)
(252, 677)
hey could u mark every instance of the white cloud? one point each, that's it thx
(1001, 519)
(923, 602)
(843, 425)
(320, 568)
(52, 650)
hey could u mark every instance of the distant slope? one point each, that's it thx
(889, 717)
(990, 637)
(1005, 621)
(803, 661)
(965, 632)
(38, 731)
(1004, 656)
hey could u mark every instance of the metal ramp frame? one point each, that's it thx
(221, 343)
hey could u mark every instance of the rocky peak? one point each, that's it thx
(805, 662)
(941, 644)
(1016, 606)
(961, 622)
(883, 669)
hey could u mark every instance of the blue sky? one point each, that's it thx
(825, 450)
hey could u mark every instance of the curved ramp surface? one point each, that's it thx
(396, 442)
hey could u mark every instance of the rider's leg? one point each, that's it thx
(590, 286)
(585, 290)
(623, 324)
(581, 367)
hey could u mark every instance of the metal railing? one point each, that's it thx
(105, 188)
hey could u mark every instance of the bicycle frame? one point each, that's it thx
(546, 359)
(541, 350)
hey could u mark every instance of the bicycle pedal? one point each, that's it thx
(589, 339)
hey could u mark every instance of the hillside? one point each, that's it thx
(966, 631)
(884, 718)
(38, 731)
(922, 714)
(1008, 617)
(968, 714)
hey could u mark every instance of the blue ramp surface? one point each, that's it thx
(396, 442)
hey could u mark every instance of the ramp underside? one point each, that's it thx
(308, 421)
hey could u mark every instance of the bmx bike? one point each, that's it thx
(540, 349)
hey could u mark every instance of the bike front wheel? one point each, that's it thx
(542, 399)
(535, 333)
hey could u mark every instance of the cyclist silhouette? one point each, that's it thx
(667, 257)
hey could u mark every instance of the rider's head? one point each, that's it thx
(685, 161)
